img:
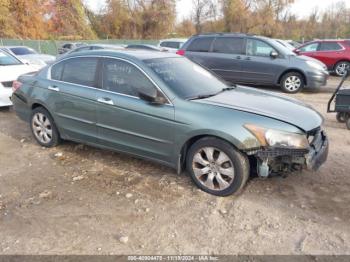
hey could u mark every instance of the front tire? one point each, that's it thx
(43, 128)
(341, 68)
(216, 167)
(292, 83)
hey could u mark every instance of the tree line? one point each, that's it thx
(155, 19)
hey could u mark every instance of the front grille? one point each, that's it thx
(276, 152)
(7, 84)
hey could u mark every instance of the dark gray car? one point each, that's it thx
(248, 59)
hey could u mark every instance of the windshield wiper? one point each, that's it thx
(201, 97)
(228, 88)
(210, 95)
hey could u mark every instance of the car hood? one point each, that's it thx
(268, 104)
(45, 58)
(307, 58)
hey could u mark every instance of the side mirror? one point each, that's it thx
(152, 97)
(297, 51)
(274, 54)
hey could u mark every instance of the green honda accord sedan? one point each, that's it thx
(165, 108)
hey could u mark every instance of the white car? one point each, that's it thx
(172, 45)
(30, 55)
(11, 68)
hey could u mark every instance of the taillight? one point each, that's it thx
(16, 85)
(181, 52)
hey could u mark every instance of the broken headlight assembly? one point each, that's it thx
(277, 138)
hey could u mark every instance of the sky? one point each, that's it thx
(302, 8)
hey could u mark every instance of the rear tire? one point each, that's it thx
(341, 68)
(342, 117)
(216, 167)
(348, 123)
(44, 128)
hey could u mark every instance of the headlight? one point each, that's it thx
(277, 138)
(315, 65)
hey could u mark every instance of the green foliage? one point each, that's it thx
(155, 19)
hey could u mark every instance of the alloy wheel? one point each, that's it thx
(342, 68)
(292, 83)
(42, 128)
(213, 168)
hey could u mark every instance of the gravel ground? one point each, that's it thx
(75, 199)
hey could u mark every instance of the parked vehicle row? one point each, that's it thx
(184, 111)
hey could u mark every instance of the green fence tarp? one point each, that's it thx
(51, 46)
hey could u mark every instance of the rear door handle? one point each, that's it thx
(105, 100)
(54, 88)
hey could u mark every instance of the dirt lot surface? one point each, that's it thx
(75, 199)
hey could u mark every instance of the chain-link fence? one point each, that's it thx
(51, 46)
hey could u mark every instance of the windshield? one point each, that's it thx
(22, 51)
(187, 79)
(7, 59)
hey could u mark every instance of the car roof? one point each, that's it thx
(174, 40)
(148, 45)
(127, 54)
(103, 45)
(329, 40)
(225, 34)
(17, 46)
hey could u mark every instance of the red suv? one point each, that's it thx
(334, 53)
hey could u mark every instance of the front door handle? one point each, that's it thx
(105, 100)
(54, 88)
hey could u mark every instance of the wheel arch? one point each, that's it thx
(37, 104)
(181, 162)
(339, 61)
(290, 71)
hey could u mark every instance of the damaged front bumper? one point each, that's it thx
(283, 160)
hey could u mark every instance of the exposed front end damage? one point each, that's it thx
(272, 161)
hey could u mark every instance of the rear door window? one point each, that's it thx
(56, 71)
(330, 46)
(229, 45)
(201, 44)
(80, 71)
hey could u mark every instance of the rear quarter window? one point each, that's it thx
(330, 46)
(56, 71)
(201, 44)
